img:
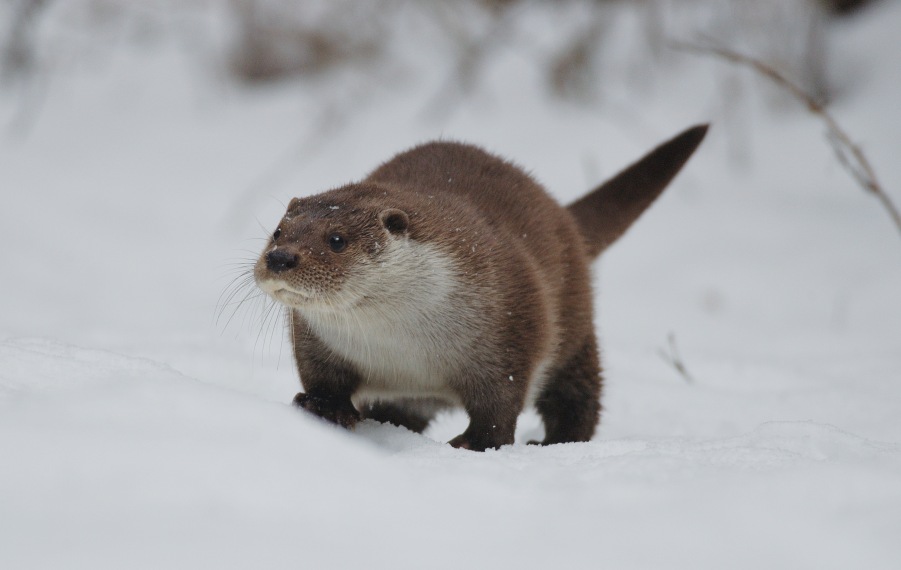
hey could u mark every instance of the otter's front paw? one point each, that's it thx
(461, 442)
(472, 442)
(335, 410)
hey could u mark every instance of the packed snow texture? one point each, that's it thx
(138, 431)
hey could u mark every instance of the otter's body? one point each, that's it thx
(448, 277)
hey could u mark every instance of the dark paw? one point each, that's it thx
(461, 442)
(467, 441)
(335, 410)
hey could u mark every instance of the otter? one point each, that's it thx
(450, 277)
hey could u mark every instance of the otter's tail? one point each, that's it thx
(607, 211)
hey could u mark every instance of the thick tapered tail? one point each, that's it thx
(607, 211)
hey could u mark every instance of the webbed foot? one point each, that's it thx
(336, 410)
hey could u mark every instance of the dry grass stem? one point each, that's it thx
(674, 359)
(848, 153)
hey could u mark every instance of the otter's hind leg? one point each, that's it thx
(570, 402)
(415, 415)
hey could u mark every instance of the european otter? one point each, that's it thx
(449, 277)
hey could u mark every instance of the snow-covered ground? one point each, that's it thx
(137, 431)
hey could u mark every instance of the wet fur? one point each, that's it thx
(462, 284)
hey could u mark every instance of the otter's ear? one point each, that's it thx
(395, 221)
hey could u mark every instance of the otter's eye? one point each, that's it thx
(337, 242)
(277, 233)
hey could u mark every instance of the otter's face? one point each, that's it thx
(321, 249)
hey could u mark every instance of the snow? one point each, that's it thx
(137, 431)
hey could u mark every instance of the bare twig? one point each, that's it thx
(848, 153)
(674, 359)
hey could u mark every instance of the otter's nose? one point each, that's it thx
(280, 260)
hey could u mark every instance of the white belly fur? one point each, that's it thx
(409, 342)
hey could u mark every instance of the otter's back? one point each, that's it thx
(508, 198)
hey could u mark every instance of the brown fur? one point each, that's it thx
(456, 280)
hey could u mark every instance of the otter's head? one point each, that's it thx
(326, 245)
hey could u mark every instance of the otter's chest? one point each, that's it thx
(407, 353)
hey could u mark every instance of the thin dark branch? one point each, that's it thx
(846, 151)
(674, 359)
